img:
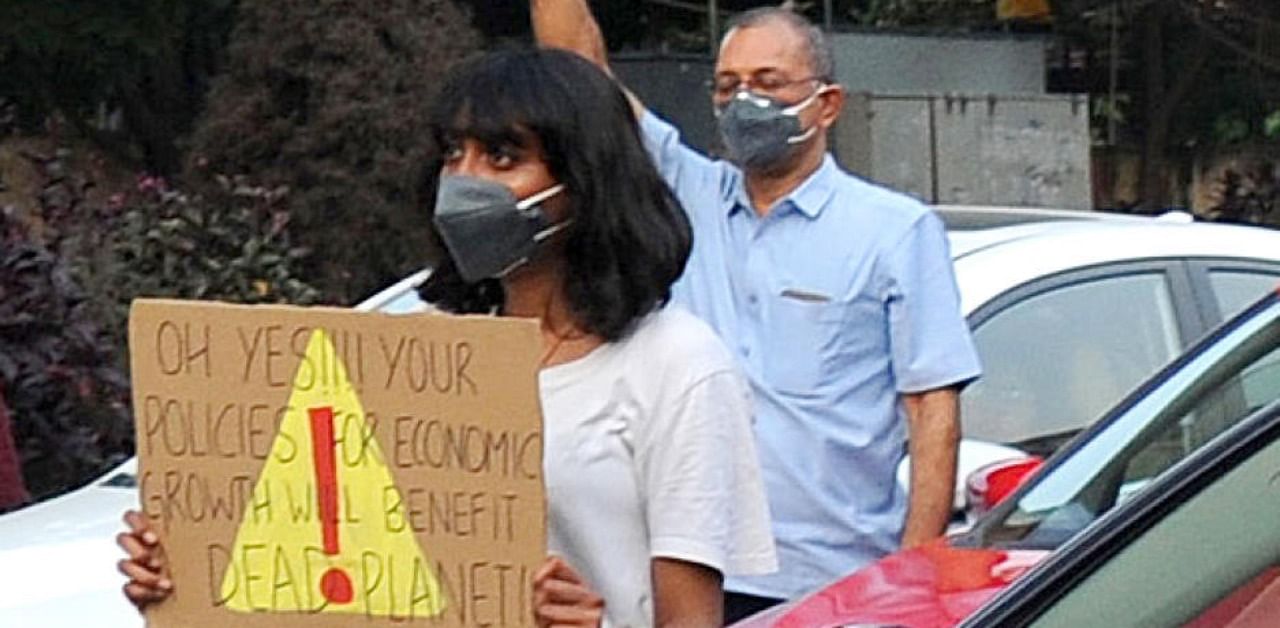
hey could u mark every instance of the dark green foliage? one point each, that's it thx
(329, 98)
(231, 243)
(146, 62)
(59, 367)
(953, 15)
(65, 290)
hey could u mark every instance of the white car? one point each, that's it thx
(1069, 311)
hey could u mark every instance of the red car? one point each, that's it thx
(935, 585)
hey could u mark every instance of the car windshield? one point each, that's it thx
(1222, 383)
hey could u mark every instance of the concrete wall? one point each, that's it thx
(902, 64)
(1027, 151)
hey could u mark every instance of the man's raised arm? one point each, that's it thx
(568, 24)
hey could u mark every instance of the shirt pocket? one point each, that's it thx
(802, 339)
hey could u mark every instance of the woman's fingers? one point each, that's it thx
(143, 576)
(562, 598)
(139, 552)
(144, 566)
(561, 592)
(568, 616)
(555, 567)
(139, 525)
(142, 596)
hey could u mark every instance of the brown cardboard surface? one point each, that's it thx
(321, 467)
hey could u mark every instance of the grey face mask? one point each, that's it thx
(759, 131)
(487, 230)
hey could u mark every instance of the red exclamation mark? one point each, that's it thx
(335, 584)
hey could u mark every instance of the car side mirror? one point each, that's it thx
(990, 484)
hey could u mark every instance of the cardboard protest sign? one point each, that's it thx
(322, 467)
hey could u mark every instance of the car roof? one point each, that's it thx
(991, 260)
(974, 217)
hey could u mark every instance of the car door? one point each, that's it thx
(1168, 419)
(1199, 549)
(1059, 351)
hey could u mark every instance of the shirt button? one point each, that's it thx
(745, 350)
(753, 299)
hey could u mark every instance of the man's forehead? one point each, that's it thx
(771, 44)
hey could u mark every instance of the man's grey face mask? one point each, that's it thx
(487, 230)
(760, 131)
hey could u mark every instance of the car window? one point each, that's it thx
(1171, 575)
(1236, 289)
(1189, 407)
(1054, 362)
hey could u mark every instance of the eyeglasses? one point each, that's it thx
(767, 83)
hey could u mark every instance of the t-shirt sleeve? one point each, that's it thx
(695, 178)
(930, 341)
(705, 500)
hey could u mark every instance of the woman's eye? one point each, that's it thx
(502, 158)
(452, 153)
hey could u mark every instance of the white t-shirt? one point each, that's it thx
(649, 453)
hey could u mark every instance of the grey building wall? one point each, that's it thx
(902, 64)
(1025, 151)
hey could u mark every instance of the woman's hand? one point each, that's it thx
(148, 574)
(562, 598)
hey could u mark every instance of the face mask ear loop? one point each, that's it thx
(800, 106)
(796, 139)
(539, 197)
(514, 265)
(804, 104)
(552, 230)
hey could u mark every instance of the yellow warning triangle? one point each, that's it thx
(312, 539)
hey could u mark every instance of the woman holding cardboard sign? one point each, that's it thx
(549, 208)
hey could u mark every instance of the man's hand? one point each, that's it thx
(933, 423)
(568, 24)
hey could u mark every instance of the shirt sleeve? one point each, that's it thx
(929, 338)
(705, 500)
(695, 179)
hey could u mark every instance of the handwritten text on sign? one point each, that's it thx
(321, 467)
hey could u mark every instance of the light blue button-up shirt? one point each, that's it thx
(838, 300)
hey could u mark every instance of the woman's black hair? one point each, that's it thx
(629, 239)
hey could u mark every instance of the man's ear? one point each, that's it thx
(831, 103)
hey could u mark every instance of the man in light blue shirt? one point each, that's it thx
(837, 295)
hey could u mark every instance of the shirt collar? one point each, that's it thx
(809, 198)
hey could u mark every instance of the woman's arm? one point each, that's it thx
(686, 595)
